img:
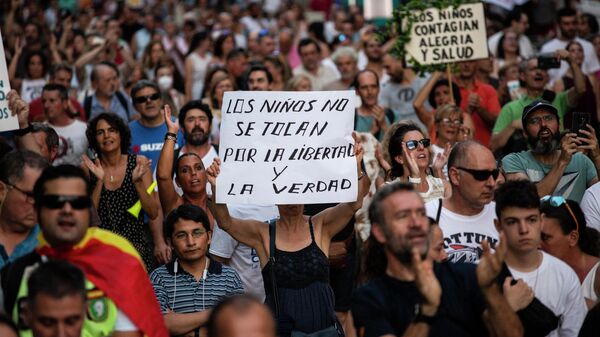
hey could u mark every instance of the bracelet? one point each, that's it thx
(414, 180)
(362, 174)
(171, 136)
(24, 131)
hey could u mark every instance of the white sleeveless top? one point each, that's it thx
(587, 286)
(200, 70)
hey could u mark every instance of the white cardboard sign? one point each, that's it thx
(448, 35)
(7, 120)
(287, 148)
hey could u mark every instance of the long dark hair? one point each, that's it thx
(500, 49)
(394, 146)
(589, 238)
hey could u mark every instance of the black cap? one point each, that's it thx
(535, 106)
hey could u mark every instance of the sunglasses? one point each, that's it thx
(557, 201)
(53, 201)
(144, 99)
(481, 175)
(413, 144)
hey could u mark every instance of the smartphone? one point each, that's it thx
(548, 61)
(514, 89)
(580, 119)
(91, 154)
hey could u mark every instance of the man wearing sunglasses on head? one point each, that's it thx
(553, 162)
(121, 300)
(467, 217)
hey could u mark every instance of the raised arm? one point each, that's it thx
(164, 169)
(500, 318)
(334, 219)
(578, 89)
(245, 231)
(20, 108)
(142, 179)
(425, 115)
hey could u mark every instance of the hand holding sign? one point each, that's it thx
(18, 107)
(212, 172)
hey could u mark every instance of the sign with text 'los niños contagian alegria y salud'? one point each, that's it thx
(451, 34)
(7, 120)
(280, 147)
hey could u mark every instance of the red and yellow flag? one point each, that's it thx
(114, 266)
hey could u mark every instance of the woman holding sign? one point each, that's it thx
(297, 278)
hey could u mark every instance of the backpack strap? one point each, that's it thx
(123, 102)
(87, 107)
(439, 212)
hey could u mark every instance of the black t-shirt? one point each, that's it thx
(387, 305)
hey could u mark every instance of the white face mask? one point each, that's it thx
(165, 82)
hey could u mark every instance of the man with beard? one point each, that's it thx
(567, 23)
(553, 162)
(399, 91)
(535, 79)
(410, 295)
(195, 119)
(345, 59)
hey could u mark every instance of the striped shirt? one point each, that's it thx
(190, 295)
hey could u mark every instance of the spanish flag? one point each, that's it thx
(114, 266)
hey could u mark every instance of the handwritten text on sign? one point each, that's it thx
(7, 121)
(287, 148)
(448, 35)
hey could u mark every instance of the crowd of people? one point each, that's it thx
(478, 204)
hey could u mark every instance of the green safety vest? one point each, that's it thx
(101, 312)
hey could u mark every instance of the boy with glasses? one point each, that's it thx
(553, 282)
(121, 301)
(192, 283)
(467, 217)
(553, 162)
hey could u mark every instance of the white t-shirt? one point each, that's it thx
(243, 258)
(590, 205)
(72, 143)
(590, 61)
(556, 285)
(463, 234)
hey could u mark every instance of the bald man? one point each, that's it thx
(241, 316)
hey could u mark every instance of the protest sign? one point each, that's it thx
(7, 120)
(287, 148)
(451, 34)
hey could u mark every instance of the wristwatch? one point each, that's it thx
(420, 317)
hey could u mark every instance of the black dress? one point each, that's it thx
(115, 217)
(306, 301)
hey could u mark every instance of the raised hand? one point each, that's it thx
(212, 172)
(142, 166)
(589, 142)
(385, 166)
(410, 162)
(95, 167)
(172, 126)
(568, 147)
(18, 107)
(490, 264)
(358, 149)
(441, 159)
(426, 282)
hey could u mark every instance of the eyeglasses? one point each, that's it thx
(196, 233)
(537, 120)
(144, 99)
(557, 201)
(28, 194)
(448, 121)
(413, 144)
(481, 175)
(53, 201)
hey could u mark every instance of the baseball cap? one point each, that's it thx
(537, 105)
